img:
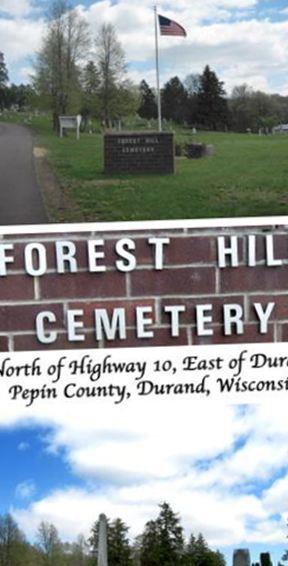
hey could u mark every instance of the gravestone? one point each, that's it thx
(102, 542)
(197, 150)
(241, 557)
(139, 152)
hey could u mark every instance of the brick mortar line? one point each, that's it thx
(111, 269)
(124, 298)
(144, 267)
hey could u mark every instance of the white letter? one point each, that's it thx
(201, 319)
(141, 322)
(263, 315)
(233, 315)
(65, 251)
(40, 252)
(72, 324)
(93, 255)
(130, 263)
(158, 243)
(174, 311)
(105, 328)
(224, 251)
(45, 337)
(5, 259)
(251, 250)
(270, 252)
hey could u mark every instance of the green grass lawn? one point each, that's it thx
(247, 176)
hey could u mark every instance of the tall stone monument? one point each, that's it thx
(102, 542)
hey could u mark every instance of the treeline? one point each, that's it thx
(200, 101)
(76, 73)
(162, 543)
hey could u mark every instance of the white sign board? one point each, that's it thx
(70, 123)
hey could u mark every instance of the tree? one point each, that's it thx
(149, 545)
(265, 559)
(192, 86)
(240, 108)
(3, 81)
(198, 553)
(253, 110)
(57, 66)
(212, 106)
(174, 101)
(22, 96)
(118, 546)
(148, 105)
(162, 540)
(13, 547)
(76, 553)
(90, 83)
(49, 545)
(110, 62)
(119, 550)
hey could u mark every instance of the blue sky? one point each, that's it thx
(244, 40)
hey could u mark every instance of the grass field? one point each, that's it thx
(247, 176)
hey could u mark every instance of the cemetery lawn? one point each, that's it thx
(247, 176)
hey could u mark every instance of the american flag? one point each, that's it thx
(169, 27)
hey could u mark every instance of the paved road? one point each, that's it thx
(20, 198)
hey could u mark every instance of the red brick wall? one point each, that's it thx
(191, 276)
(139, 152)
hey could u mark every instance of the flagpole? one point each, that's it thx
(157, 71)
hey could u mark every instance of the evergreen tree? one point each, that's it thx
(162, 540)
(212, 105)
(171, 535)
(174, 101)
(198, 553)
(149, 545)
(148, 105)
(265, 559)
(118, 546)
(119, 551)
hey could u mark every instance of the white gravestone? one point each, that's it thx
(102, 542)
(70, 123)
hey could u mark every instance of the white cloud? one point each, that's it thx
(209, 464)
(25, 489)
(23, 446)
(248, 50)
(240, 50)
(15, 7)
(20, 38)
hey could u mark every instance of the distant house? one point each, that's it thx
(281, 129)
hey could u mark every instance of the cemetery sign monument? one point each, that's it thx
(139, 152)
